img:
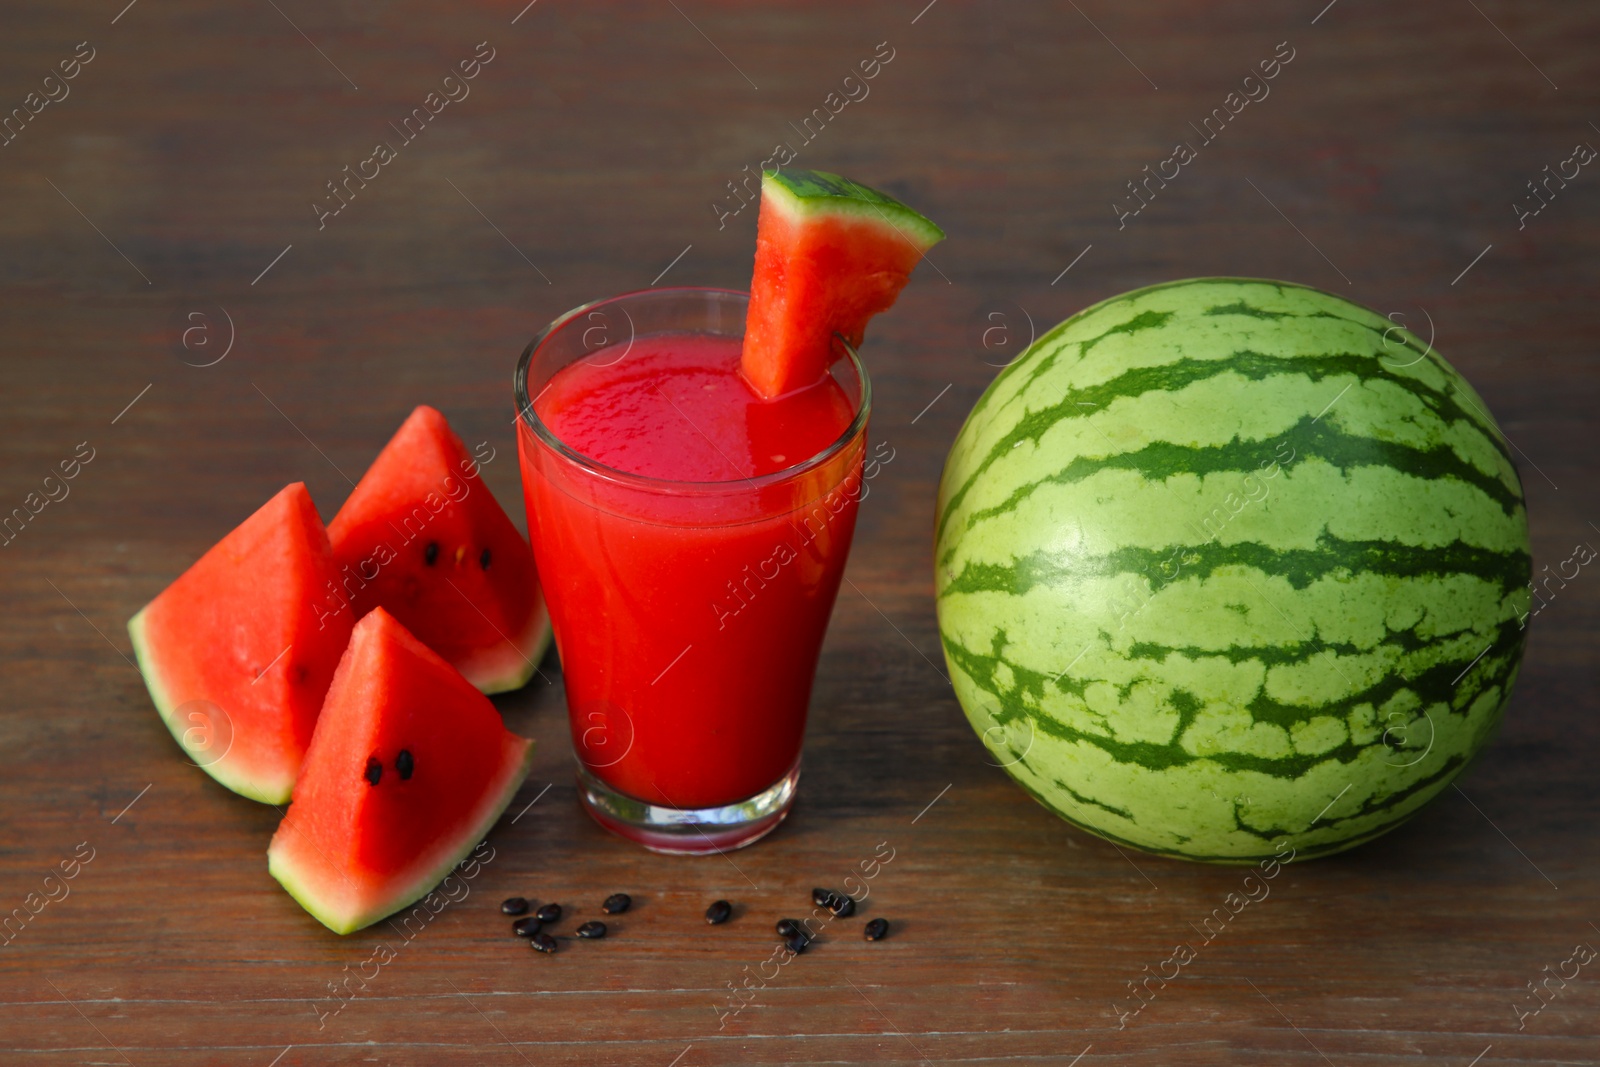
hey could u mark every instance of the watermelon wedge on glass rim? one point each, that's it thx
(692, 463)
(234, 654)
(422, 536)
(409, 768)
(830, 254)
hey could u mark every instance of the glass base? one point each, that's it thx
(688, 831)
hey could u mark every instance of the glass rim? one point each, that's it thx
(527, 416)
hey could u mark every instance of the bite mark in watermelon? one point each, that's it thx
(409, 768)
(234, 654)
(423, 537)
(830, 254)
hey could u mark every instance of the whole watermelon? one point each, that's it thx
(1227, 564)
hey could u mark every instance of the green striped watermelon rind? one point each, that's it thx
(995, 691)
(812, 192)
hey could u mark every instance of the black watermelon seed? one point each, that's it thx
(526, 927)
(483, 560)
(544, 943)
(374, 771)
(405, 764)
(514, 906)
(796, 942)
(787, 927)
(430, 552)
(591, 929)
(842, 906)
(820, 897)
(550, 913)
(616, 904)
(718, 912)
(876, 930)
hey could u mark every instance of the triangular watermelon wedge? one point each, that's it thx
(409, 768)
(830, 254)
(422, 536)
(234, 652)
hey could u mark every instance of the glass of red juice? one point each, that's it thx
(690, 538)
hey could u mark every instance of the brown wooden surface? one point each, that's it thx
(596, 140)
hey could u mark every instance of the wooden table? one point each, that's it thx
(177, 177)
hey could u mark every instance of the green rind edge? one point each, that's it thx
(284, 870)
(520, 663)
(818, 192)
(217, 769)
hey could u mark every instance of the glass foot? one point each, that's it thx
(688, 831)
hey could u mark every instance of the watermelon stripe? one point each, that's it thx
(1333, 557)
(1304, 849)
(1289, 654)
(1239, 307)
(1433, 687)
(1091, 801)
(1391, 802)
(1161, 459)
(1087, 401)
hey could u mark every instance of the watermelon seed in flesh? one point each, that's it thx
(425, 491)
(353, 852)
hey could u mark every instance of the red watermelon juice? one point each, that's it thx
(690, 537)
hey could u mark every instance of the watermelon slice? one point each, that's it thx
(235, 654)
(830, 254)
(409, 768)
(424, 538)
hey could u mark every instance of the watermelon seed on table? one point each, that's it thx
(514, 906)
(718, 912)
(592, 929)
(526, 927)
(876, 930)
(550, 913)
(786, 927)
(544, 943)
(616, 904)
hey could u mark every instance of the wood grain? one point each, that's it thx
(587, 156)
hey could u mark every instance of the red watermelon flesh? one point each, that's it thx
(234, 653)
(830, 254)
(423, 537)
(409, 768)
